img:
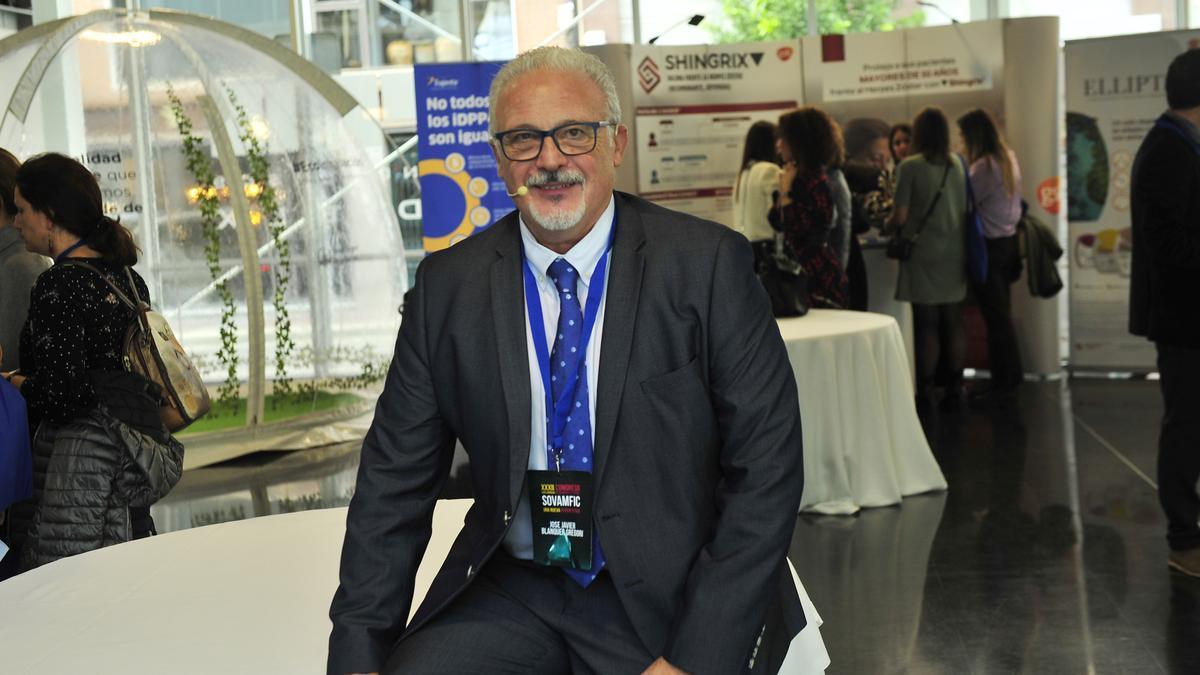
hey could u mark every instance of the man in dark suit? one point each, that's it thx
(1163, 302)
(695, 473)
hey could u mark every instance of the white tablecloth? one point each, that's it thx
(250, 596)
(863, 443)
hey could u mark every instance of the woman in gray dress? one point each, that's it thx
(930, 208)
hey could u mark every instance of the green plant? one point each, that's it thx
(268, 204)
(207, 197)
(372, 368)
(762, 20)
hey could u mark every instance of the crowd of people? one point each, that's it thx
(100, 453)
(819, 187)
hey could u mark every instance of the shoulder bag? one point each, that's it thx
(900, 247)
(151, 350)
(786, 282)
(977, 253)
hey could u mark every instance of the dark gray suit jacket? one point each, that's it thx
(19, 269)
(697, 444)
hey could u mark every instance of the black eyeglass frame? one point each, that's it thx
(594, 126)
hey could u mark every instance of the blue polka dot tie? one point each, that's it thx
(568, 366)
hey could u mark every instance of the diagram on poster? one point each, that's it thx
(689, 129)
(461, 190)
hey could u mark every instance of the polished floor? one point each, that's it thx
(1045, 555)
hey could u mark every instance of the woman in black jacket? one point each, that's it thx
(95, 476)
(810, 143)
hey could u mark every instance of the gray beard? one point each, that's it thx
(557, 219)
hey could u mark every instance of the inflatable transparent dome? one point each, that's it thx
(268, 239)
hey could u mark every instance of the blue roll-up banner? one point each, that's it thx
(461, 191)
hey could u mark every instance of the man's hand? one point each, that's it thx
(661, 667)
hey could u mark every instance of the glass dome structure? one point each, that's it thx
(226, 153)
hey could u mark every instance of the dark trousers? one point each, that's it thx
(939, 333)
(1179, 444)
(995, 304)
(518, 617)
(856, 277)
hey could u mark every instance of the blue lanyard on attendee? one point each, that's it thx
(557, 411)
(79, 244)
(1169, 124)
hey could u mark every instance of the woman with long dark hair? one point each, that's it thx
(754, 190)
(996, 179)
(101, 456)
(930, 207)
(810, 144)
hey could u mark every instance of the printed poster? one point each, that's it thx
(944, 60)
(1116, 89)
(693, 107)
(461, 190)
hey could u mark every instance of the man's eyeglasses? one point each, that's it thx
(575, 138)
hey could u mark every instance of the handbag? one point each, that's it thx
(977, 253)
(151, 350)
(785, 281)
(900, 247)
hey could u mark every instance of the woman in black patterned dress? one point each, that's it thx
(101, 457)
(810, 143)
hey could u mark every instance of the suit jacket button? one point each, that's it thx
(470, 568)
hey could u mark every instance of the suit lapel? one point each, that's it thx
(620, 311)
(508, 313)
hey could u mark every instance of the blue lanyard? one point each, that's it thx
(1165, 122)
(557, 411)
(79, 244)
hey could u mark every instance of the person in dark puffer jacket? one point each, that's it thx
(101, 456)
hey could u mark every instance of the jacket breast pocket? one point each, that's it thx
(678, 401)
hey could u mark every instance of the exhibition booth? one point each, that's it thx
(689, 107)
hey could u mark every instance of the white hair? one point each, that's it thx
(556, 59)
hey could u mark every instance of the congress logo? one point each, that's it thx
(648, 76)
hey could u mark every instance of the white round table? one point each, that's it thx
(863, 443)
(249, 596)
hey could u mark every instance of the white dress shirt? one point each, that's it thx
(583, 256)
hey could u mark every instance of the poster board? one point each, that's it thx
(1116, 88)
(461, 189)
(693, 107)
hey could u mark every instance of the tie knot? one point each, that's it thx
(564, 275)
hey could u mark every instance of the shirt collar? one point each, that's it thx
(583, 256)
(1186, 125)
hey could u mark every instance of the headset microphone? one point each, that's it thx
(521, 192)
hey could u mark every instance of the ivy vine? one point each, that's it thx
(268, 204)
(200, 166)
(372, 368)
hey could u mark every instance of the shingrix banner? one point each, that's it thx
(461, 191)
(693, 107)
(1115, 91)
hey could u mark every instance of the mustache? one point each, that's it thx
(564, 176)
